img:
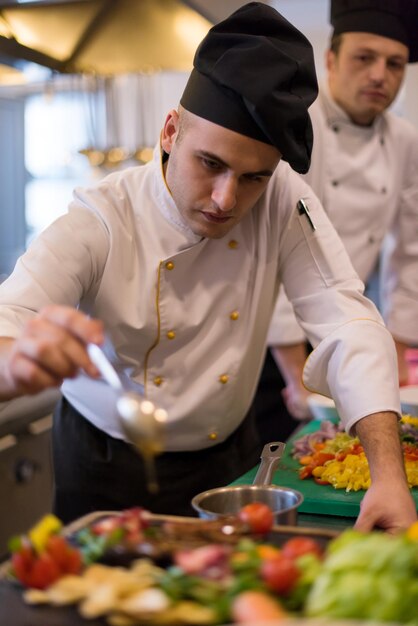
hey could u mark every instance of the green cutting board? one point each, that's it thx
(319, 499)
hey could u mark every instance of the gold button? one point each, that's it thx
(213, 435)
(171, 334)
(224, 379)
(169, 265)
(158, 381)
(234, 315)
(233, 244)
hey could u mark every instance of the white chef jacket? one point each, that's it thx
(188, 317)
(367, 180)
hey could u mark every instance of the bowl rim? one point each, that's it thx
(195, 501)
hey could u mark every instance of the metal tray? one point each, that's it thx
(14, 612)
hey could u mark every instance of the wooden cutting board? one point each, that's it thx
(318, 499)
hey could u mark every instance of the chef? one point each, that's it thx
(181, 261)
(364, 170)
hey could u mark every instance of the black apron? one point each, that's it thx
(94, 471)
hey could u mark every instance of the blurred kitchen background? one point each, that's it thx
(85, 86)
(84, 89)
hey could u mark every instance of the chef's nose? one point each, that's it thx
(224, 193)
(378, 70)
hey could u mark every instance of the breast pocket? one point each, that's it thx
(326, 249)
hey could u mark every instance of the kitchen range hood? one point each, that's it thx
(104, 37)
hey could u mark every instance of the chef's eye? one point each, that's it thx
(211, 164)
(254, 178)
(396, 65)
(364, 58)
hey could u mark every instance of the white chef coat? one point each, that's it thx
(188, 317)
(367, 180)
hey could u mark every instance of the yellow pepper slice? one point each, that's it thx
(38, 535)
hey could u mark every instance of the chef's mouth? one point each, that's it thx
(216, 219)
(375, 93)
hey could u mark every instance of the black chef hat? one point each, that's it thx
(395, 19)
(254, 73)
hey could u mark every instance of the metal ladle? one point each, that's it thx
(141, 421)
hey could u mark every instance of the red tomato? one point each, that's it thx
(258, 516)
(74, 562)
(40, 571)
(297, 546)
(280, 574)
(44, 572)
(22, 562)
(64, 554)
(57, 546)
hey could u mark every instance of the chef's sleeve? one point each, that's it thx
(61, 265)
(354, 358)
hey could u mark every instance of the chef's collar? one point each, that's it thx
(336, 115)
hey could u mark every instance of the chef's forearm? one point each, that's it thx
(290, 360)
(379, 435)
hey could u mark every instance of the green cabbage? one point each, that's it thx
(367, 576)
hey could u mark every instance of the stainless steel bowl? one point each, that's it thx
(282, 501)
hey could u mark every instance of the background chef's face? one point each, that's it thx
(365, 74)
(215, 175)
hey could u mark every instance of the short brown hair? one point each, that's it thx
(335, 43)
(184, 123)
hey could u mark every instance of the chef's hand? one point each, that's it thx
(295, 397)
(388, 506)
(290, 360)
(388, 503)
(52, 347)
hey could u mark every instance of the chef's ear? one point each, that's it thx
(330, 60)
(170, 130)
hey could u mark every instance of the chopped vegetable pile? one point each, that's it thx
(332, 457)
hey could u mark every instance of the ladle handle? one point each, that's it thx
(104, 366)
(117, 380)
(270, 458)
